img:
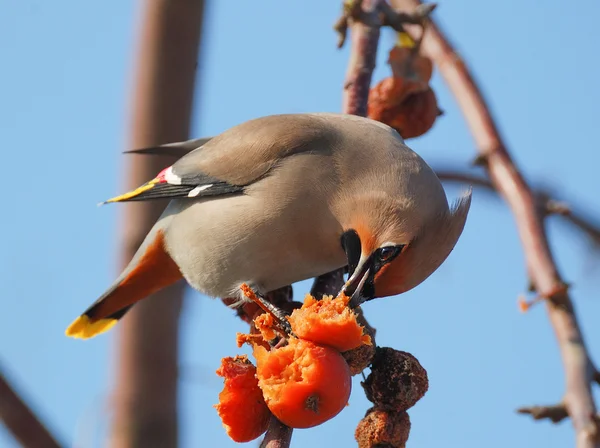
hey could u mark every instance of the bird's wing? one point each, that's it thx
(235, 159)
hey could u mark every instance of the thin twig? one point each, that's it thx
(555, 413)
(581, 221)
(397, 19)
(350, 9)
(386, 16)
(21, 422)
(541, 266)
(578, 219)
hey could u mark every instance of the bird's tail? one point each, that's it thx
(177, 149)
(150, 270)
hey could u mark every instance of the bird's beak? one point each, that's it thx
(360, 286)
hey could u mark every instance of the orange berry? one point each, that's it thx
(265, 323)
(251, 339)
(410, 114)
(304, 384)
(241, 407)
(329, 322)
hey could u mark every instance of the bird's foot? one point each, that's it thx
(277, 313)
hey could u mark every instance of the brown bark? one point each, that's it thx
(146, 385)
(278, 435)
(20, 420)
(364, 33)
(541, 267)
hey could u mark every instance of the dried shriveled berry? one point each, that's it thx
(397, 380)
(405, 101)
(417, 114)
(242, 408)
(359, 358)
(382, 428)
(410, 114)
(329, 322)
(304, 384)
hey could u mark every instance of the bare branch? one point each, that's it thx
(447, 175)
(578, 219)
(555, 414)
(350, 9)
(397, 19)
(365, 40)
(541, 266)
(20, 421)
(581, 221)
(278, 435)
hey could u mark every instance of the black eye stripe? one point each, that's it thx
(351, 245)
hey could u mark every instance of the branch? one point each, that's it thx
(20, 421)
(541, 266)
(545, 200)
(278, 435)
(397, 19)
(579, 220)
(384, 16)
(555, 414)
(364, 28)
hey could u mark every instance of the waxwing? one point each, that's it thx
(284, 198)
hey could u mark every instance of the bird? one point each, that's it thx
(283, 198)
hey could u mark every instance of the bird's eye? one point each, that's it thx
(388, 253)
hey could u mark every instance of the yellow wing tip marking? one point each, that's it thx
(405, 41)
(84, 328)
(131, 194)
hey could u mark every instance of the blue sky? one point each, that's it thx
(65, 81)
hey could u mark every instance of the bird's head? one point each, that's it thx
(392, 246)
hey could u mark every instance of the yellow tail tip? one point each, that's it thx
(131, 194)
(84, 328)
